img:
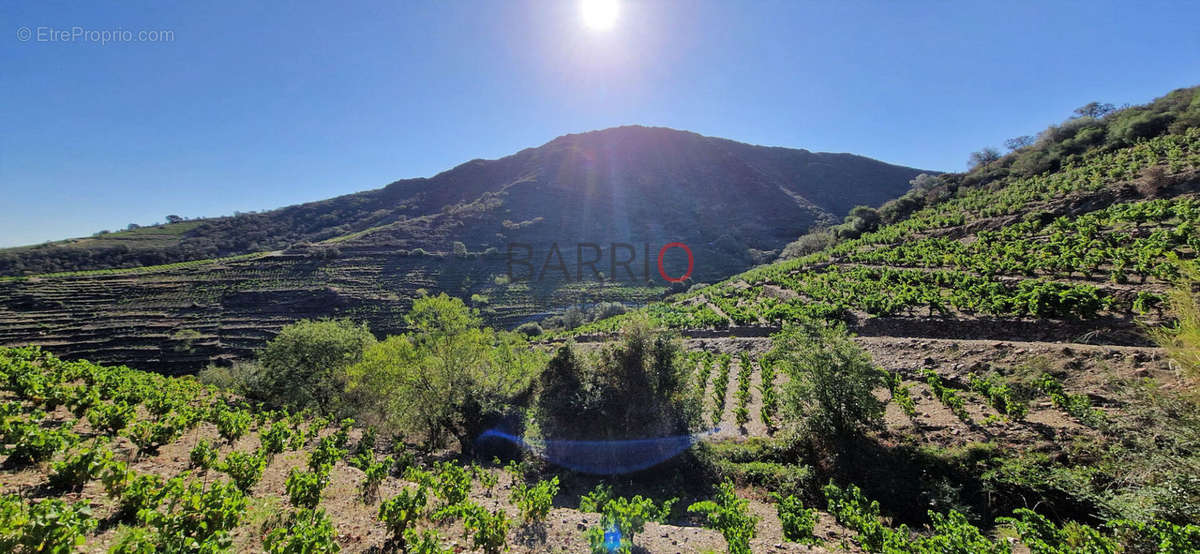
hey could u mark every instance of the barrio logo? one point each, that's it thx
(621, 256)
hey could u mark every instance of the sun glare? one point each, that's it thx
(599, 15)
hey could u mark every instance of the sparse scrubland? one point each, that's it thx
(1003, 360)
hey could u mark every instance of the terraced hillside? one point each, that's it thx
(121, 297)
(180, 318)
(1077, 255)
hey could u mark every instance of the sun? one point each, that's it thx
(599, 15)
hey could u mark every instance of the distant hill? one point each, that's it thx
(178, 296)
(630, 184)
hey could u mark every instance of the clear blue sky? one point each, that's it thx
(252, 107)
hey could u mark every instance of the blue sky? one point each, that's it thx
(259, 105)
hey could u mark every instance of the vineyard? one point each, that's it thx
(1077, 245)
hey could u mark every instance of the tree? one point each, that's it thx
(639, 387)
(448, 377)
(460, 249)
(174, 219)
(983, 157)
(301, 366)
(832, 379)
(1017, 143)
(1094, 110)
(923, 183)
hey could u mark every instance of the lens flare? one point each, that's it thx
(604, 457)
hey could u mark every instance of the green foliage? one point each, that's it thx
(535, 501)
(1043, 537)
(402, 511)
(488, 479)
(770, 396)
(1077, 405)
(232, 424)
(447, 378)
(999, 395)
(720, 384)
(1181, 339)
(149, 435)
(79, 467)
(276, 437)
(832, 380)
(326, 453)
(452, 483)
(902, 395)
(245, 469)
(304, 487)
(111, 417)
(488, 530)
(596, 499)
(729, 514)
(628, 515)
(798, 522)
(203, 455)
(198, 517)
(32, 443)
(55, 526)
(425, 542)
(745, 368)
(639, 386)
(947, 395)
(373, 475)
(302, 365)
(305, 532)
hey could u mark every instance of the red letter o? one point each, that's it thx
(663, 251)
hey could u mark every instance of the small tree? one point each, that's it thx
(301, 365)
(832, 379)
(448, 378)
(1094, 110)
(983, 157)
(1017, 143)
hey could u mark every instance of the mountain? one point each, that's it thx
(623, 184)
(179, 295)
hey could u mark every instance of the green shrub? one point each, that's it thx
(304, 487)
(402, 511)
(798, 522)
(728, 514)
(535, 501)
(305, 532)
(245, 469)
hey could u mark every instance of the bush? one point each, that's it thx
(798, 522)
(530, 329)
(305, 532)
(832, 380)
(304, 487)
(402, 511)
(203, 455)
(448, 378)
(535, 501)
(245, 469)
(639, 387)
(814, 241)
(728, 514)
(302, 365)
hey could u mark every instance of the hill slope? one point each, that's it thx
(365, 255)
(620, 184)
